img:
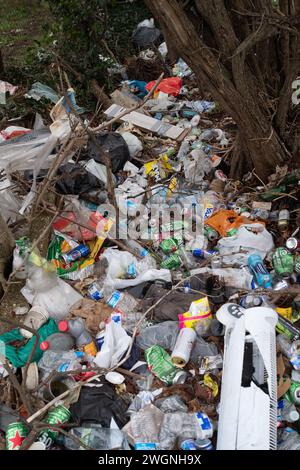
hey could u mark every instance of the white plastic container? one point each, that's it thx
(183, 347)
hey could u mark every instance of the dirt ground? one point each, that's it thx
(22, 24)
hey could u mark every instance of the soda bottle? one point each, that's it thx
(58, 342)
(83, 338)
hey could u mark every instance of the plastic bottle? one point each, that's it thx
(139, 249)
(261, 276)
(184, 426)
(288, 411)
(183, 150)
(287, 347)
(145, 424)
(289, 440)
(97, 437)
(58, 342)
(123, 301)
(83, 338)
(60, 361)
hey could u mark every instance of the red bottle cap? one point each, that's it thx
(44, 345)
(63, 326)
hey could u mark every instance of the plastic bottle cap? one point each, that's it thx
(294, 415)
(63, 326)
(44, 345)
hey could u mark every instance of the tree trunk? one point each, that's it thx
(231, 74)
(2, 71)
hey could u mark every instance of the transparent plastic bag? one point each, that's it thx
(171, 404)
(163, 334)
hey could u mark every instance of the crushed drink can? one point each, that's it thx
(94, 292)
(249, 301)
(170, 245)
(188, 444)
(58, 415)
(204, 444)
(210, 233)
(16, 433)
(297, 264)
(294, 393)
(285, 327)
(161, 365)
(231, 232)
(292, 244)
(78, 252)
(283, 262)
(171, 262)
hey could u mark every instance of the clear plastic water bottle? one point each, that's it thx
(60, 361)
(287, 347)
(288, 439)
(96, 437)
(136, 247)
(288, 411)
(183, 150)
(58, 342)
(183, 426)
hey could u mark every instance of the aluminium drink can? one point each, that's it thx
(16, 433)
(78, 252)
(292, 244)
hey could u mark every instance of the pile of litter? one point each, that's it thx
(164, 314)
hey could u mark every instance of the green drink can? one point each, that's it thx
(160, 364)
(297, 264)
(171, 262)
(58, 415)
(231, 232)
(169, 245)
(15, 435)
(294, 393)
(283, 262)
(210, 233)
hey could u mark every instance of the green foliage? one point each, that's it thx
(95, 34)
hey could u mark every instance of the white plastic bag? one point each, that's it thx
(261, 240)
(116, 343)
(134, 144)
(47, 290)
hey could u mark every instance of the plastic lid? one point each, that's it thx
(44, 345)
(63, 326)
(293, 415)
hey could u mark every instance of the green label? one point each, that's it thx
(160, 364)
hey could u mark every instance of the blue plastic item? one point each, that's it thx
(260, 273)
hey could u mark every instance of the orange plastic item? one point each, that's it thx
(170, 85)
(225, 220)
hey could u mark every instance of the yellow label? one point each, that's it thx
(285, 312)
(101, 239)
(209, 382)
(90, 349)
